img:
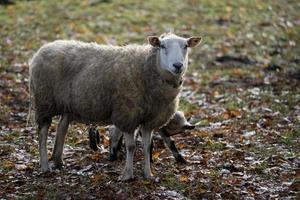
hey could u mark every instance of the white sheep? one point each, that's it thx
(131, 86)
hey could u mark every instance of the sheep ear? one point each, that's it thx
(154, 41)
(193, 41)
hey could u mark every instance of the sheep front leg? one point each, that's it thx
(60, 140)
(130, 148)
(147, 137)
(171, 145)
(43, 134)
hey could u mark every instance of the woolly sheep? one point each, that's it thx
(131, 86)
(177, 125)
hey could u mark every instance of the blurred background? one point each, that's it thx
(241, 90)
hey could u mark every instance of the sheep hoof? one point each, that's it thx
(149, 176)
(113, 157)
(180, 160)
(113, 154)
(126, 179)
(45, 169)
(56, 164)
(127, 176)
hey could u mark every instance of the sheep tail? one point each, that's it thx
(29, 106)
(29, 115)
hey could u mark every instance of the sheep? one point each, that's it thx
(127, 86)
(94, 138)
(177, 125)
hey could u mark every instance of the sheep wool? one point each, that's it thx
(102, 84)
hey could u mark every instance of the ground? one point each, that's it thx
(241, 90)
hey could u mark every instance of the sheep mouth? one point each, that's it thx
(176, 72)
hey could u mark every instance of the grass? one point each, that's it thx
(291, 138)
(233, 105)
(186, 106)
(98, 23)
(264, 31)
(12, 136)
(214, 146)
(172, 182)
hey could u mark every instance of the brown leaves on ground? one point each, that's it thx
(241, 90)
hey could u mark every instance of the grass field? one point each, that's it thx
(241, 90)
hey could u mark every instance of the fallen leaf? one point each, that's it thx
(7, 165)
(95, 156)
(20, 167)
(183, 179)
(155, 155)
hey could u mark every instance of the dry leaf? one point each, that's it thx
(183, 179)
(155, 155)
(7, 165)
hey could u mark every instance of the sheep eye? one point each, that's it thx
(185, 46)
(162, 46)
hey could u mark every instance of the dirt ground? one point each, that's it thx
(241, 91)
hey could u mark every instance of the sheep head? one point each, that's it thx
(178, 124)
(173, 52)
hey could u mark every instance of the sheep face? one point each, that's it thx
(178, 124)
(173, 52)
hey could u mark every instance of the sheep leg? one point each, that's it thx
(93, 138)
(171, 145)
(43, 134)
(146, 136)
(130, 148)
(60, 140)
(115, 143)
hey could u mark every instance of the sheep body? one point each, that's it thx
(130, 87)
(99, 83)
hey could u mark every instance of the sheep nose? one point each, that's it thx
(178, 65)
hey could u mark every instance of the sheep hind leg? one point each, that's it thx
(61, 132)
(147, 137)
(43, 134)
(130, 148)
(115, 141)
(94, 139)
(171, 145)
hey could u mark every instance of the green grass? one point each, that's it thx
(12, 136)
(75, 139)
(28, 24)
(291, 138)
(251, 28)
(172, 182)
(233, 105)
(214, 146)
(186, 106)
